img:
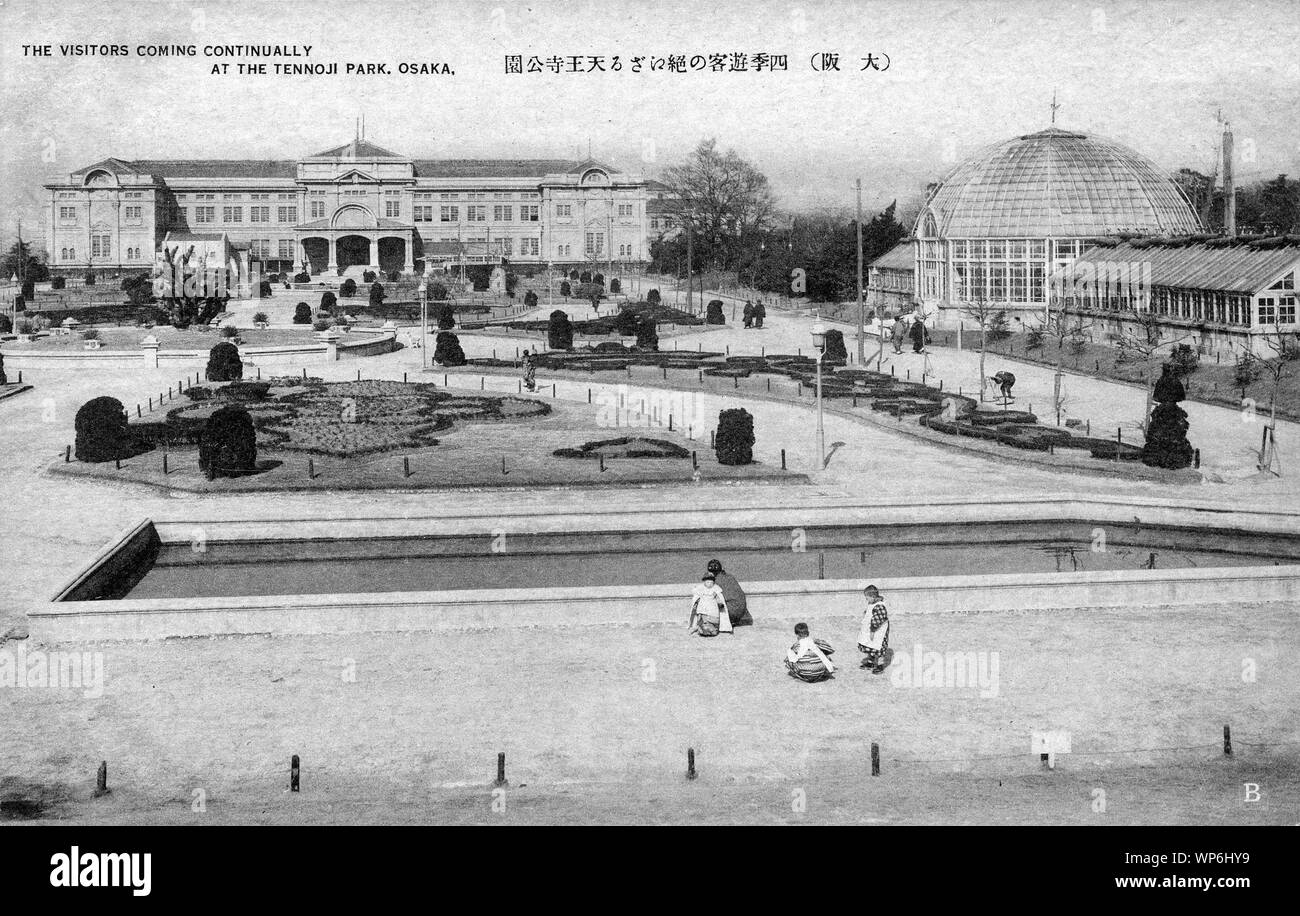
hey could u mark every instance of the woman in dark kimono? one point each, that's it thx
(530, 371)
(918, 336)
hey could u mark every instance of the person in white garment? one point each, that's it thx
(709, 609)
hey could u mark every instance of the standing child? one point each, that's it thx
(873, 639)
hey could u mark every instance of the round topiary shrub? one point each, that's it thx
(835, 350)
(264, 288)
(348, 287)
(328, 302)
(368, 276)
(615, 287)
(652, 297)
(58, 282)
(302, 313)
(714, 314)
(559, 331)
(584, 277)
(734, 439)
(90, 279)
(437, 291)
(530, 299)
(321, 324)
(101, 430)
(376, 294)
(627, 322)
(302, 277)
(565, 289)
(224, 364)
(228, 444)
(447, 350)
(6, 324)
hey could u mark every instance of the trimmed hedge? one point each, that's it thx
(662, 448)
(224, 364)
(734, 439)
(228, 445)
(559, 331)
(348, 288)
(447, 350)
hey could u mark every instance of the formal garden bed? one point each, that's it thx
(375, 434)
(946, 412)
(196, 337)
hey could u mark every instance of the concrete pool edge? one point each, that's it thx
(127, 619)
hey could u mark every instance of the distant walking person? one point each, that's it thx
(530, 371)
(919, 335)
(896, 334)
(873, 639)
(760, 312)
(809, 659)
(749, 314)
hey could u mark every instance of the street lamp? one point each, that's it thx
(819, 342)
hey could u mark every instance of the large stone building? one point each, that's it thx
(355, 205)
(1001, 223)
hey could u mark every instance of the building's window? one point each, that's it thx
(1286, 310)
(424, 213)
(68, 214)
(286, 249)
(100, 246)
(476, 214)
(287, 196)
(625, 209)
(1267, 310)
(354, 192)
(206, 214)
(477, 195)
(232, 197)
(259, 196)
(259, 214)
(316, 192)
(286, 214)
(654, 224)
(63, 254)
(317, 209)
(503, 214)
(1019, 275)
(134, 195)
(528, 213)
(392, 208)
(507, 246)
(67, 195)
(448, 195)
(998, 282)
(564, 210)
(595, 242)
(1287, 282)
(449, 214)
(232, 214)
(208, 196)
(528, 247)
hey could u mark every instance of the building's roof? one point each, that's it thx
(358, 149)
(901, 257)
(1237, 265)
(217, 168)
(1058, 184)
(490, 168)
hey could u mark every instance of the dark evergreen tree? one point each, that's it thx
(447, 350)
(224, 364)
(734, 440)
(228, 443)
(1166, 441)
(559, 331)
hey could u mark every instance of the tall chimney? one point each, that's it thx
(1229, 189)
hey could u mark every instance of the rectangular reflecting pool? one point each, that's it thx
(629, 558)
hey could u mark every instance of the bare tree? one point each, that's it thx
(992, 323)
(726, 198)
(1058, 325)
(1285, 347)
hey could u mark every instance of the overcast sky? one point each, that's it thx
(961, 75)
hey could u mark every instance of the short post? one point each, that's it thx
(1087, 427)
(406, 466)
(501, 770)
(117, 464)
(444, 380)
(783, 459)
(769, 385)
(588, 395)
(602, 463)
(1119, 440)
(503, 465)
(164, 464)
(67, 455)
(101, 779)
(358, 375)
(695, 461)
(138, 412)
(821, 564)
(670, 429)
(1227, 741)
(403, 377)
(295, 771)
(1196, 458)
(875, 759)
(736, 379)
(712, 440)
(311, 469)
(304, 372)
(690, 763)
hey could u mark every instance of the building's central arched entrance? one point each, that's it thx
(352, 250)
(318, 253)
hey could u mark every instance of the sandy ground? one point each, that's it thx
(595, 723)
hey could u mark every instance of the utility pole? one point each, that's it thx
(862, 305)
(690, 281)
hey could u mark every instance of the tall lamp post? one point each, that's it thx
(819, 342)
